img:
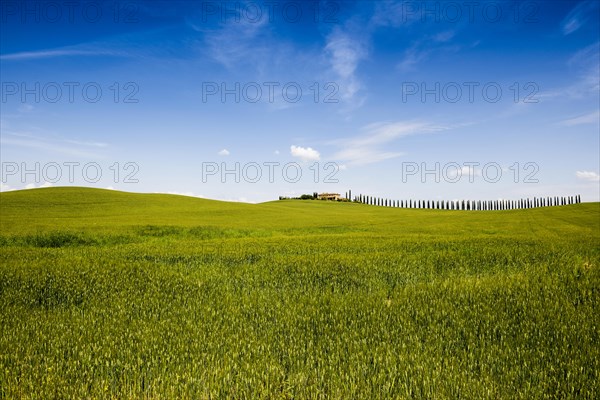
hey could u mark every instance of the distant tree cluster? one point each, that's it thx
(302, 197)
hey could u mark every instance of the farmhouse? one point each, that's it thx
(328, 196)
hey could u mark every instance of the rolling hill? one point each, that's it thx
(99, 210)
(106, 294)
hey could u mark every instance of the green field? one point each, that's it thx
(106, 294)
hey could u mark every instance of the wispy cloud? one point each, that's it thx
(245, 45)
(371, 146)
(413, 56)
(421, 50)
(88, 144)
(142, 44)
(585, 65)
(445, 36)
(25, 108)
(589, 118)
(64, 52)
(52, 145)
(393, 13)
(188, 194)
(345, 51)
(235, 44)
(579, 16)
(588, 176)
(246, 48)
(7, 188)
(33, 185)
(224, 152)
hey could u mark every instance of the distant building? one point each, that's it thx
(329, 196)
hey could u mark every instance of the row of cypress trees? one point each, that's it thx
(471, 204)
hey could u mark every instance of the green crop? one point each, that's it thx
(106, 294)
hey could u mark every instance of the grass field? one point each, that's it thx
(105, 294)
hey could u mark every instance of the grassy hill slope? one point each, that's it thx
(105, 210)
(107, 294)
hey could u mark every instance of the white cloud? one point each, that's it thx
(585, 65)
(372, 146)
(115, 46)
(240, 199)
(33, 186)
(188, 194)
(276, 152)
(394, 14)
(357, 156)
(590, 118)
(421, 49)
(466, 172)
(90, 144)
(412, 56)
(232, 44)
(579, 16)
(50, 144)
(345, 53)
(304, 153)
(444, 36)
(25, 108)
(125, 45)
(249, 45)
(7, 188)
(588, 176)
(383, 132)
(223, 152)
(35, 55)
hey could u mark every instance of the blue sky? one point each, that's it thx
(247, 101)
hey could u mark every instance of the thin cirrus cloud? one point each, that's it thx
(589, 118)
(412, 56)
(420, 50)
(233, 44)
(370, 147)
(142, 44)
(224, 152)
(247, 45)
(579, 16)
(345, 52)
(585, 63)
(588, 176)
(64, 52)
(52, 146)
